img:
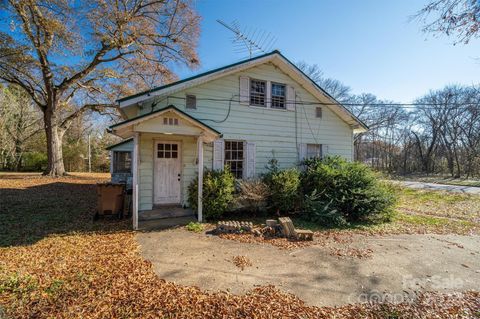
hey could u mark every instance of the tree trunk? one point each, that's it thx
(54, 134)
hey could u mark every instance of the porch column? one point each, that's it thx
(200, 178)
(135, 180)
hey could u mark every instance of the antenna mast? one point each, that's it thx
(253, 41)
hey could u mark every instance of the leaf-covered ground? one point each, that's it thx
(56, 263)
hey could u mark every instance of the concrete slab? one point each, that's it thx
(440, 187)
(401, 264)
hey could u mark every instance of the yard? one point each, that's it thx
(55, 262)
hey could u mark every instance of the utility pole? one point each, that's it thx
(89, 155)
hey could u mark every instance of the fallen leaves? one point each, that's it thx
(336, 243)
(242, 262)
(84, 271)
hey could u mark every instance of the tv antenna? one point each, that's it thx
(251, 41)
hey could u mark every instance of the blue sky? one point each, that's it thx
(369, 45)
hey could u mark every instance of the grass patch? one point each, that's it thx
(420, 211)
(195, 227)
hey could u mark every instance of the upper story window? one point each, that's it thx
(257, 92)
(191, 102)
(278, 95)
(122, 162)
(318, 112)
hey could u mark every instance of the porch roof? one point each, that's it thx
(127, 128)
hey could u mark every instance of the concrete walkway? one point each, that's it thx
(440, 187)
(399, 264)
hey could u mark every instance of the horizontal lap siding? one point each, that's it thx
(189, 166)
(273, 131)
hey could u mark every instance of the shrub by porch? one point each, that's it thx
(330, 191)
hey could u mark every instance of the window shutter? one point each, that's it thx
(244, 90)
(290, 98)
(249, 160)
(302, 151)
(218, 154)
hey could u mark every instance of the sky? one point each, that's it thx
(369, 45)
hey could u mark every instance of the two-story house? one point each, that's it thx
(241, 115)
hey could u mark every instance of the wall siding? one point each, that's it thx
(276, 133)
(189, 165)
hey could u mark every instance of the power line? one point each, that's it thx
(401, 105)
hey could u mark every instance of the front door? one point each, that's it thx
(167, 173)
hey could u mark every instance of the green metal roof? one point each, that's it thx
(119, 143)
(171, 107)
(197, 76)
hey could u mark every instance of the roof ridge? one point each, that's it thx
(197, 76)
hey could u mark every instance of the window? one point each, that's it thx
(165, 150)
(191, 102)
(234, 157)
(257, 92)
(314, 150)
(278, 96)
(318, 112)
(122, 162)
(170, 121)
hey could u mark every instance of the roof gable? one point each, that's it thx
(274, 57)
(124, 128)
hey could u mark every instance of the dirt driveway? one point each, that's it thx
(398, 265)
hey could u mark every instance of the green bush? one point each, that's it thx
(283, 186)
(218, 190)
(338, 192)
(194, 227)
(321, 212)
(35, 161)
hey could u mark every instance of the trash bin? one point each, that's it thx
(110, 199)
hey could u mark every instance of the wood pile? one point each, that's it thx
(234, 226)
(281, 228)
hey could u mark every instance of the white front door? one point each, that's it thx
(167, 173)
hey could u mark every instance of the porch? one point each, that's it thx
(168, 150)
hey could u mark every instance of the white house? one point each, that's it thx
(242, 115)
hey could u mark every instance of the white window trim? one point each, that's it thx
(243, 159)
(268, 97)
(271, 83)
(266, 93)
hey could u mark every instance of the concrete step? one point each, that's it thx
(163, 223)
(165, 212)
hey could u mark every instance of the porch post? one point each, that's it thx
(200, 178)
(135, 180)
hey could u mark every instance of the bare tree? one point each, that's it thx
(460, 18)
(335, 88)
(74, 57)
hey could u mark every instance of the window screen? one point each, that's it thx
(234, 157)
(122, 162)
(314, 150)
(318, 112)
(191, 102)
